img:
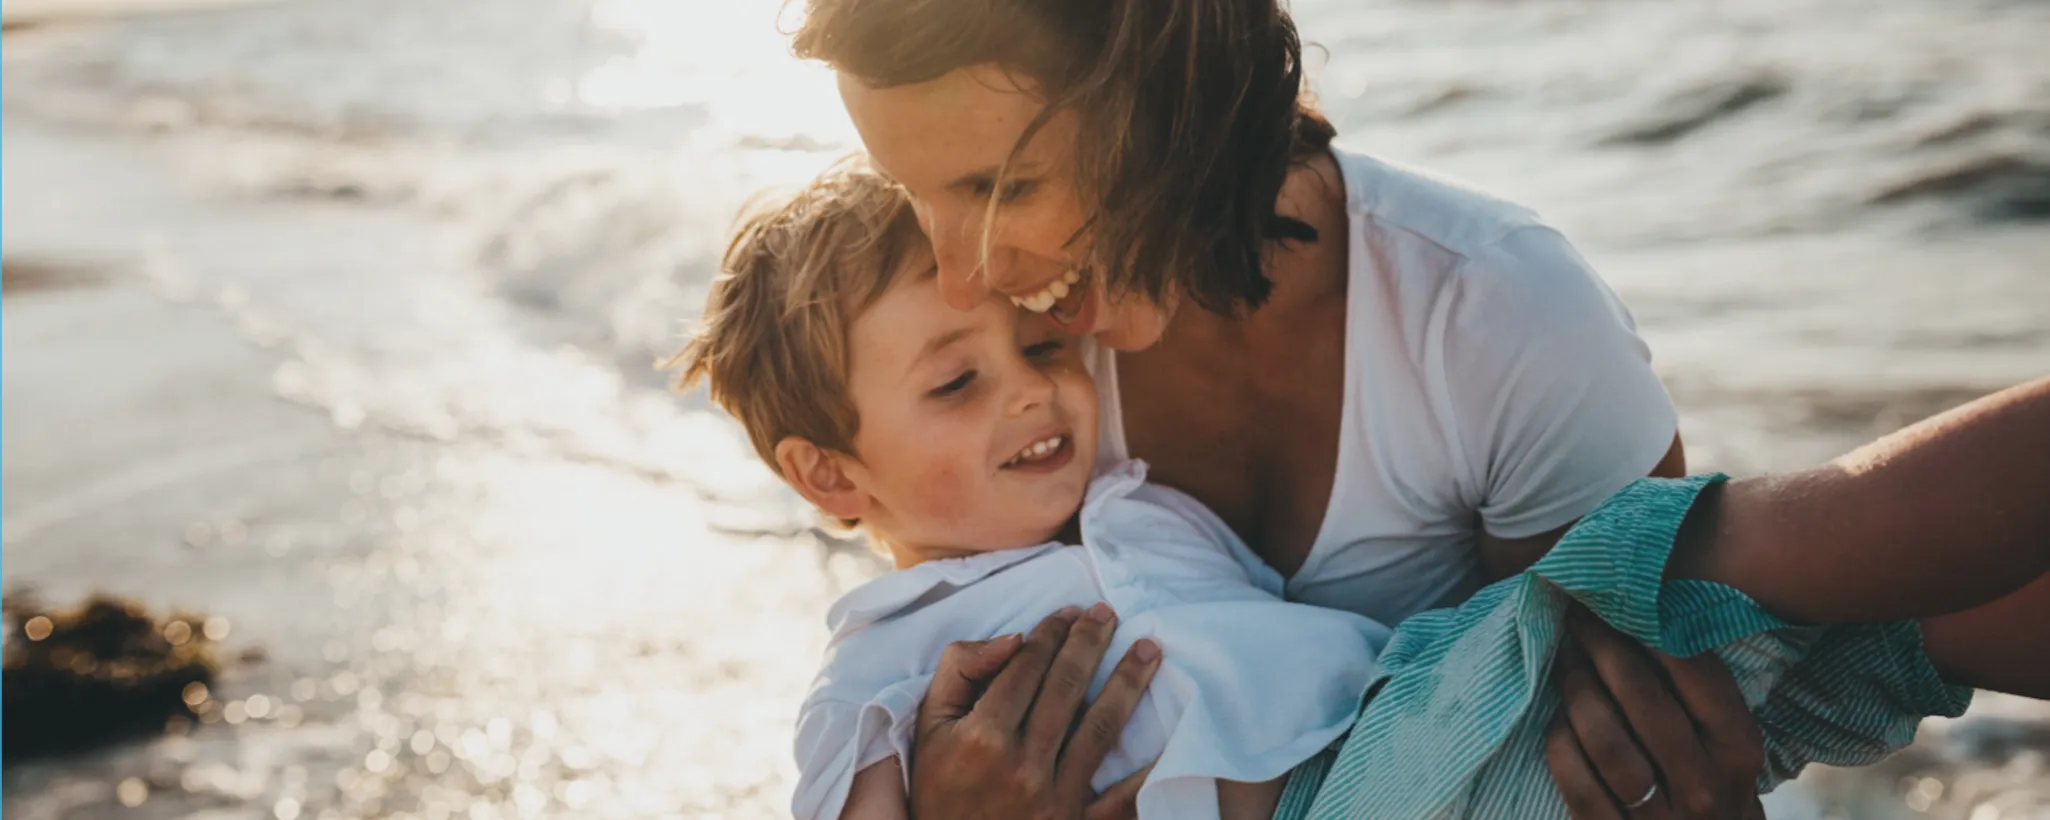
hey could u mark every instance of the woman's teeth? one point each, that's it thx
(1044, 300)
(1036, 450)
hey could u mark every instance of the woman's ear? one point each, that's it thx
(821, 478)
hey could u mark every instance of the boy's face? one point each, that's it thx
(977, 428)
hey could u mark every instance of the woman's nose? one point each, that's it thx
(957, 249)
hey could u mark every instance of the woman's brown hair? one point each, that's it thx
(1192, 113)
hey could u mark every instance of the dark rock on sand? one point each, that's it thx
(19, 276)
(102, 672)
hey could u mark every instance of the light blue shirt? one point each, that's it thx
(1249, 685)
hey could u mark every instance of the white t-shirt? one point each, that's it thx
(1249, 686)
(1492, 382)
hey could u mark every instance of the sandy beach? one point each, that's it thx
(337, 320)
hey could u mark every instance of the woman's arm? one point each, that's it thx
(1947, 520)
(1943, 516)
(998, 735)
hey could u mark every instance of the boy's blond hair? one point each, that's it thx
(773, 338)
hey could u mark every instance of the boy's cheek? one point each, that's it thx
(946, 493)
(1078, 392)
(1077, 386)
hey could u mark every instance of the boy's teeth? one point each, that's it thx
(1035, 450)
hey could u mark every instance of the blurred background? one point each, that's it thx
(332, 323)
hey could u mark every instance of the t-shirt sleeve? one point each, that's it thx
(1551, 395)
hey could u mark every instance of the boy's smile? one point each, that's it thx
(977, 429)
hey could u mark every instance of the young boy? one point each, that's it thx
(962, 443)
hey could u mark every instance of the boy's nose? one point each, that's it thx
(1034, 392)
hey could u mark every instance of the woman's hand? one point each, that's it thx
(1641, 734)
(998, 734)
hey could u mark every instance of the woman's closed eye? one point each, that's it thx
(1014, 190)
(953, 387)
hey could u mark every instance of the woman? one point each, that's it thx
(1395, 389)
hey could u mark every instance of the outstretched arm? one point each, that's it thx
(1946, 515)
(1947, 521)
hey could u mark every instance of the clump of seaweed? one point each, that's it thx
(101, 672)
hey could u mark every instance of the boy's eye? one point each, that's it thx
(1043, 350)
(957, 385)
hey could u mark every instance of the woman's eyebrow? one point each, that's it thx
(987, 176)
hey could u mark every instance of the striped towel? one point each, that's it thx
(1454, 725)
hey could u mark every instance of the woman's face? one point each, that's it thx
(945, 142)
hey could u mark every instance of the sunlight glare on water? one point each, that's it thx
(728, 57)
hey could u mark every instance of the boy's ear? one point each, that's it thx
(822, 479)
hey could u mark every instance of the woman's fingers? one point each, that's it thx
(1121, 800)
(1708, 690)
(965, 667)
(1728, 731)
(1009, 697)
(1066, 684)
(1694, 785)
(1105, 721)
(1586, 797)
(1040, 687)
(1599, 731)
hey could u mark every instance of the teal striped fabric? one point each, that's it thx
(1454, 726)
(1300, 793)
